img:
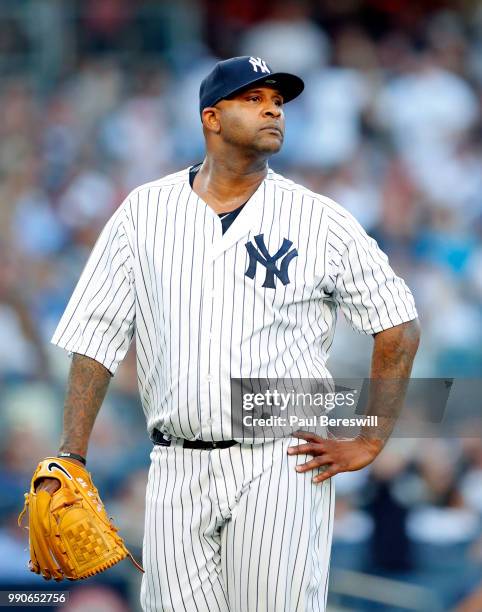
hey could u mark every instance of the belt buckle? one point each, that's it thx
(215, 444)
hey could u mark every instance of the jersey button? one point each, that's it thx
(209, 378)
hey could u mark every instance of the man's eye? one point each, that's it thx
(253, 98)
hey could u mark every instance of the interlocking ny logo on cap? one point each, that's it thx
(263, 257)
(257, 62)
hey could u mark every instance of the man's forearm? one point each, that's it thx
(87, 386)
(393, 354)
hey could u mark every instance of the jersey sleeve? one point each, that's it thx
(371, 296)
(99, 319)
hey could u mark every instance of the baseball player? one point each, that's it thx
(228, 270)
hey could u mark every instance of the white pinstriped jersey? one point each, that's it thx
(207, 307)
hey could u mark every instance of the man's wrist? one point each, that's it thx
(69, 455)
(375, 445)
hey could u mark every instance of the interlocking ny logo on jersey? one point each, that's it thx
(261, 255)
(257, 62)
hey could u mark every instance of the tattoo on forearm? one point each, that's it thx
(392, 360)
(87, 386)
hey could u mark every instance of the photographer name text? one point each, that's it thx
(324, 420)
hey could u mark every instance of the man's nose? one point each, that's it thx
(272, 110)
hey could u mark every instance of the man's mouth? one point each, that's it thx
(273, 128)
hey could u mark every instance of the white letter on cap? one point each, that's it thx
(257, 62)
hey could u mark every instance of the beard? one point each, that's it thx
(261, 142)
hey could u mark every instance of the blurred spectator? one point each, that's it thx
(288, 27)
(137, 133)
(333, 104)
(428, 112)
(14, 547)
(22, 351)
(388, 503)
(97, 598)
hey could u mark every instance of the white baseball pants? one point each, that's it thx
(235, 530)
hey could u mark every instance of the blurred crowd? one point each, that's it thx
(98, 97)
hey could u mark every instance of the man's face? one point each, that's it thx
(253, 120)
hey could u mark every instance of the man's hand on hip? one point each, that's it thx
(334, 456)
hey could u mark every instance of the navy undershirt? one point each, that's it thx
(227, 217)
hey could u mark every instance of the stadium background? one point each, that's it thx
(99, 96)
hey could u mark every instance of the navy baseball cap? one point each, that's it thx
(233, 75)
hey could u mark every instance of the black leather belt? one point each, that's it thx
(158, 439)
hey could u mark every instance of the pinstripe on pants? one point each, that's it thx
(236, 530)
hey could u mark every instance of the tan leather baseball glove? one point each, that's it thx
(70, 534)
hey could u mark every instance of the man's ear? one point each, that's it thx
(210, 119)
